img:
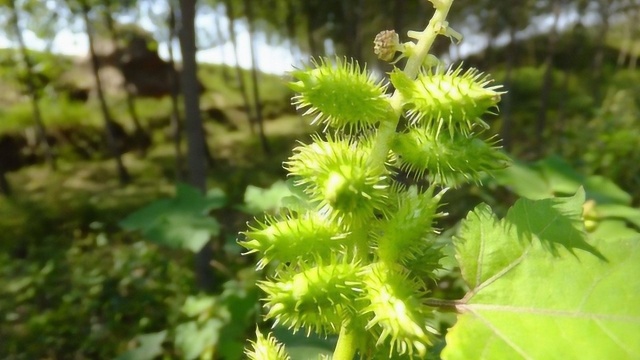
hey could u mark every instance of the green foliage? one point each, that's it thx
(47, 68)
(209, 325)
(344, 256)
(181, 222)
(273, 92)
(57, 113)
(355, 252)
(150, 346)
(534, 278)
(345, 242)
(69, 283)
(612, 146)
(554, 176)
(201, 335)
(86, 302)
(608, 209)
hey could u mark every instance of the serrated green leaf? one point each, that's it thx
(553, 221)
(180, 222)
(146, 217)
(181, 231)
(529, 300)
(190, 199)
(478, 263)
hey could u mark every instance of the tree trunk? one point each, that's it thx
(5, 188)
(506, 100)
(241, 85)
(196, 149)
(315, 49)
(492, 32)
(123, 174)
(635, 49)
(291, 23)
(33, 92)
(562, 112)
(254, 79)
(176, 121)
(598, 57)
(547, 82)
(352, 11)
(627, 42)
(399, 16)
(225, 70)
(139, 134)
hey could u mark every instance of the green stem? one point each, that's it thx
(346, 347)
(445, 305)
(387, 129)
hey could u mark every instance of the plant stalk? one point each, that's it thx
(345, 349)
(444, 305)
(388, 128)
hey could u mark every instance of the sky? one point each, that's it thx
(276, 59)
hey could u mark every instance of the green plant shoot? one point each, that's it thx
(351, 260)
(347, 265)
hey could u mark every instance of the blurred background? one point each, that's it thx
(137, 138)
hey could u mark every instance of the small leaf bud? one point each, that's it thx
(386, 44)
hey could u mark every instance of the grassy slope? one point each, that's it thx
(71, 282)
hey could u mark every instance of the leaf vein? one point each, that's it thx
(500, 335)
(542, 230)
(550, 312)
(613, 337)
(502, 272)
(590, 290)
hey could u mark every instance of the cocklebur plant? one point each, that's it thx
(352, 261)
(351, 257)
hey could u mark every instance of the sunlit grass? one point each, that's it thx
(55, 112)
(59, 234)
